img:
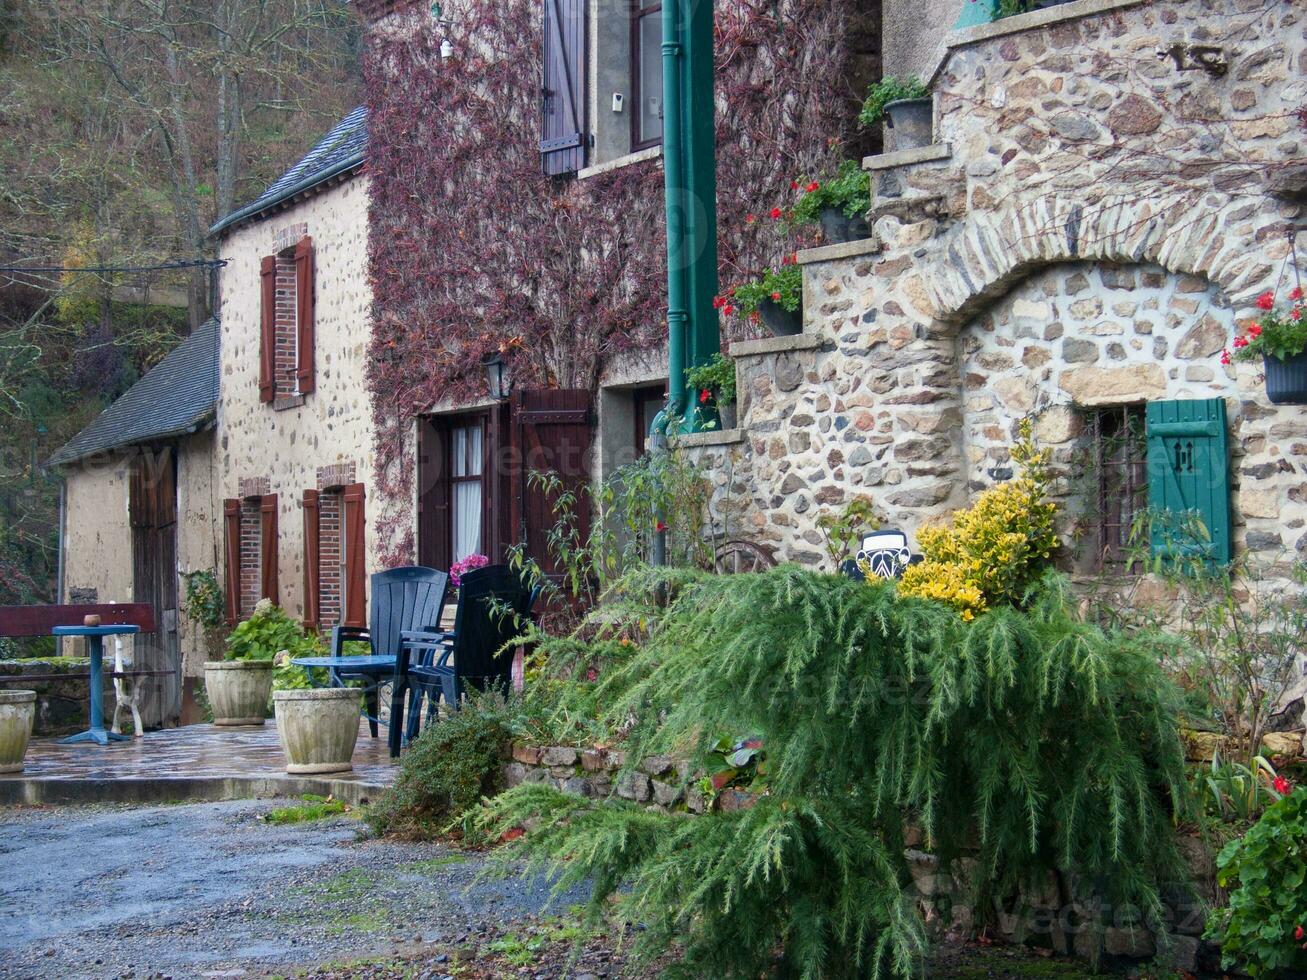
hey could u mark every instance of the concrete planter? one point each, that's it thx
(910, 123)
(238, 690)
(317, 728)
(17, 710)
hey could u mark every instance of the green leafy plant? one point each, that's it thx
(1279, 333)
(204, 604)
(847, 191)
(271, 634)
(842, 532)
(783, 286)
(1264, 929)
(446, 772)
(313, 808)
(869, 706)
(717, 377)
(1234, 792)
(882, 93)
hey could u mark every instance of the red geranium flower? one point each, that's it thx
(776, 214)
(704, 396)
(814, 186)
(1255, 330)
(794, 185)
(1298, 933)
(1281, 786)
(718, 302)
(750, 218)
(776, 297)
(728, 309)
(660, 527)
(1240, 341)
(1225, 357)
(1295, 293)
(1266, 301)
(1295, 313)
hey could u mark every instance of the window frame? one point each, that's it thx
(640, 10)
(478, 420)
(1123, 480)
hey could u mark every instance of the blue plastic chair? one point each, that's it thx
(494, 605)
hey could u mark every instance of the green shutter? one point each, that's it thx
(1189, 471)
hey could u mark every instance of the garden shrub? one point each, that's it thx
(1264, 929)
(1028, 738)
(272, 634)
(445, 772)
(995, 549)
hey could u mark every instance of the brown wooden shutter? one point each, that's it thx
(268, 330)
(268, 534)
(304, 283)
(231, 524)
(312, 553)
(562, 143)
(555, 429)
(356, 558)
(433, 494)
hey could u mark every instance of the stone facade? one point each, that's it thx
(287, 449)
(1078, 236)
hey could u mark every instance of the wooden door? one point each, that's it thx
(153, 514)
(554, 432)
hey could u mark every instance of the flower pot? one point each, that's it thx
(838, 228)
(238, 690)
(317, 728)
(17, 712)
(910, 123)
(726, 413)
(780, 321)
(1286, 381)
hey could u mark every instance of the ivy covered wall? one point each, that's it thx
(473, 248)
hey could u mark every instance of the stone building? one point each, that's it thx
(1097, 214)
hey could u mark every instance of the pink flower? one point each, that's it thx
(1266, 301)
(468, 564)
(1281, 786)
(1295, 294)
(1295, 314)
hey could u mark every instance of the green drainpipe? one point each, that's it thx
(673, 163)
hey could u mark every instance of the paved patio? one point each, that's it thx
(192, 762)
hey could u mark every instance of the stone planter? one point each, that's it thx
(780, 321)
(726, 413)
(910, 123)
(17, 710)
(238, 690)
(1286, 381)
(838, 228)
(318, 729)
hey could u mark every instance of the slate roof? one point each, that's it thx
(178, 396)
(339, 151)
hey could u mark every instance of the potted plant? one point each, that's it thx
(775, 299)
(1279, 340)
(239, 685)
(318, 728)
(715, 384)
(17, 712)
(465, 565)
(838, 203)
(906, 109)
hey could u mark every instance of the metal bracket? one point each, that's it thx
(1196, 57)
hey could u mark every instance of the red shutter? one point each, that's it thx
(562, 144)
(312, 588)
(304, 282)
(356, 558)
(268, 329)
(268, 534)
(231, 546)
(555, 437)
(433, 494)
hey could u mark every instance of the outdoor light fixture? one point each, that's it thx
(499, 379)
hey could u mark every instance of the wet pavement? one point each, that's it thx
(211, 890)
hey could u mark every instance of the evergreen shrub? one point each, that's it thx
(1028, 739)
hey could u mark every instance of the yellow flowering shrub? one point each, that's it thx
(994, 549)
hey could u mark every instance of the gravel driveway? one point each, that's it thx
(208, 889)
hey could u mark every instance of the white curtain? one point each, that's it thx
(467, 494)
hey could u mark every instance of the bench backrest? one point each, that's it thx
(40, 620)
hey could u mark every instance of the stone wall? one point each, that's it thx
(62, 706)
(1079, 235)
(333, 425)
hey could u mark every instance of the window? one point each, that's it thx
(648, 403)
(466, 446)
(287, 321)
(1115, 471)
(646, 75)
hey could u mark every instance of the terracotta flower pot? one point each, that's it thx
(317, 728)
(238, 690)
(17, 712)
(910, 123)
(1286, 381)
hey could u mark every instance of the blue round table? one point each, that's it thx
(95, 642)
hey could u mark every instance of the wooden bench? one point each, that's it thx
(40, 620)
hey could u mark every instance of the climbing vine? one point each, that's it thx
(474, 249)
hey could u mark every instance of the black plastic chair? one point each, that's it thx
(403, 599)
(494, 605)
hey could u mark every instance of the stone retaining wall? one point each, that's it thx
(62, 707)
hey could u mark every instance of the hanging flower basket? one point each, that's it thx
(1286, 380)
(1279, 340)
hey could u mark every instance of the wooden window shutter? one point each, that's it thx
(555, 428)
(268, 535)
(562, 143)
(1189, 474)
(356, 559)
(304, 283)
(433, 494)
(312, 553)
(231, 546)
(268, 329)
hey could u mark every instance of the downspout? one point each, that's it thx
(674, 176)
(59, 560)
